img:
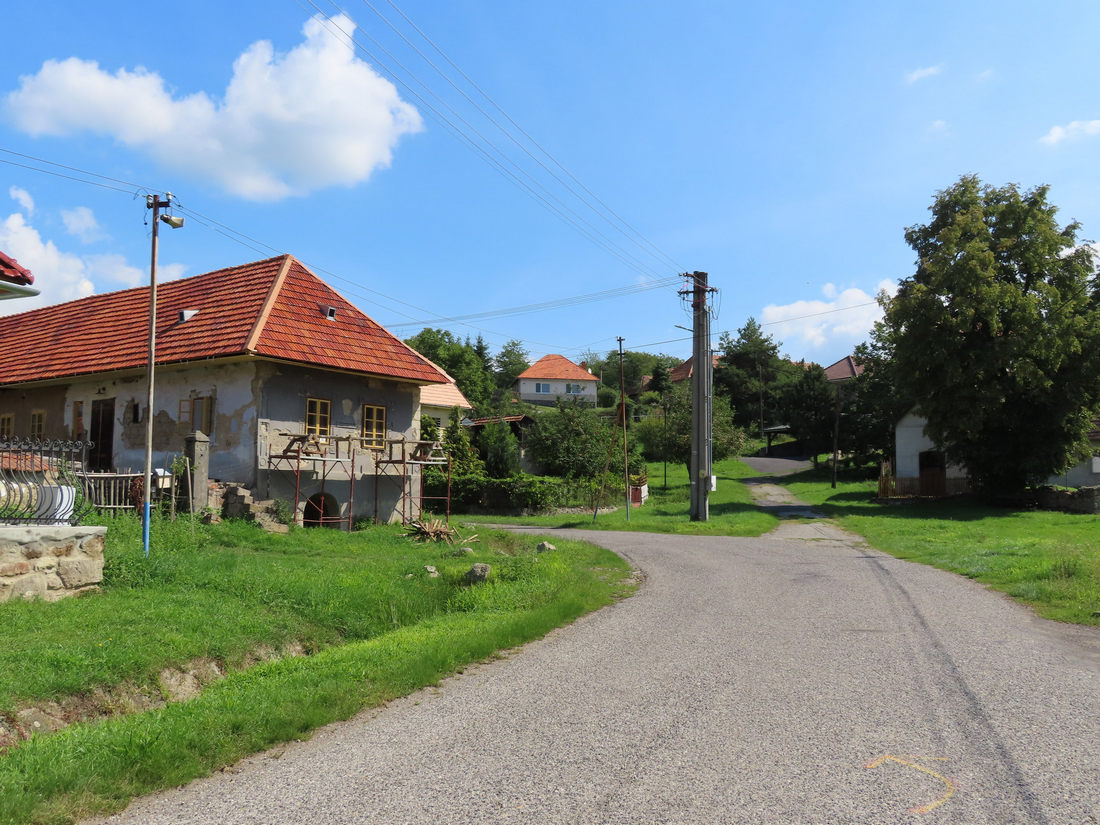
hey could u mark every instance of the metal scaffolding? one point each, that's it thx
(407, 455)
(313, 453)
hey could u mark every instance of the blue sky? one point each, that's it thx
(781, 147)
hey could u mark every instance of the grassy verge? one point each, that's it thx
(1048, 560)
(375, 623)
(731, 510)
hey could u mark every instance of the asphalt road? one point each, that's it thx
(773, 681)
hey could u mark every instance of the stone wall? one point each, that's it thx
(49, 563)
(1081, 500)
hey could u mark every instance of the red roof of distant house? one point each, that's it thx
(12, 272)
(843, 370)
(275, 308)
(557, 367)
(684, 371)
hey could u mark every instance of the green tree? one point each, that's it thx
(457, 445)
(751, 374)
(570, 441)
(509, 363)
(669, 439)
(873, 401)
(659, 381)
(809, 406)
(995, 335)
(499, 449)
(460, 359)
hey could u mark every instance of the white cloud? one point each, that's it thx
(59, 276)
(290, 123)
(114, 268)
(80, 221)
(922, 73)
(62, 276)
(938, 128)
(985, 76)
(825, 330)
(1072, 130)
(23, 198)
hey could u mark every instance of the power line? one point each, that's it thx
(661, 256)
(562, 211)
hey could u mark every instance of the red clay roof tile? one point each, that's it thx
(110, 332)
(556, 366)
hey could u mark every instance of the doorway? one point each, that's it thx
(102, 434)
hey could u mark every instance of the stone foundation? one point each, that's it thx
(49, 563)
(1081, 500)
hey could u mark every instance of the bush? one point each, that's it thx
(520, 493)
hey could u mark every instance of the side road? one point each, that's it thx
(782, 681)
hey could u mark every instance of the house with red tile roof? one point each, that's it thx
(684, 370)
(15, 280)
(252, 356)
(553, 377)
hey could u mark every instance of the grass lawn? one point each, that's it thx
(373, 621)
(732, 512)
(1046, 559)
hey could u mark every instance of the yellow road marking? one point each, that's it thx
(923, 809)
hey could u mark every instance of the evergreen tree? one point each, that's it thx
(499, 449)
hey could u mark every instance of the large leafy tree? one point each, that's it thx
(669, 438)
(995, 335)
(462, 360)
(571, 441)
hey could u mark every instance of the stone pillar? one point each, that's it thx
(198, 453)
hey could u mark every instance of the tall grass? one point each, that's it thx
(376, 624)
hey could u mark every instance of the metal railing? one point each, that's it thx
(43, 482)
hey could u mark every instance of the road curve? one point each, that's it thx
(771, 681)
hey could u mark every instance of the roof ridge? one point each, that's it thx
(269, 302)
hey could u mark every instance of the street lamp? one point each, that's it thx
(156, 204)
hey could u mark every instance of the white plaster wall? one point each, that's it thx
(232, 444)
(557, 390)
(909, 442)
(1084, 474)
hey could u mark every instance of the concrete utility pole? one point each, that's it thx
(701, 453)
(156, 204)
(622, 412)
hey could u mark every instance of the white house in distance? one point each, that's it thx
(437, 401)
(553, 377)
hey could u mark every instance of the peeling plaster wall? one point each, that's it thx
(21, 402)
(232, 443)
(283, 390)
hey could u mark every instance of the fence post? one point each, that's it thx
(197, 451)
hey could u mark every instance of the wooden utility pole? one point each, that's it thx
(701, 452)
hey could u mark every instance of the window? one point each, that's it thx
(317, 417)
(78, 420)
(38, 424)
(543, 389)
(573, 389)
(198, 413)
(7, 425)
(374, 427)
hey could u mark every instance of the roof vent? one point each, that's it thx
(187, 314)
(330, 313)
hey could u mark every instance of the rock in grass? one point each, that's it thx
(468, 551)
(478, 573)
(432, 572)
(545, 546)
